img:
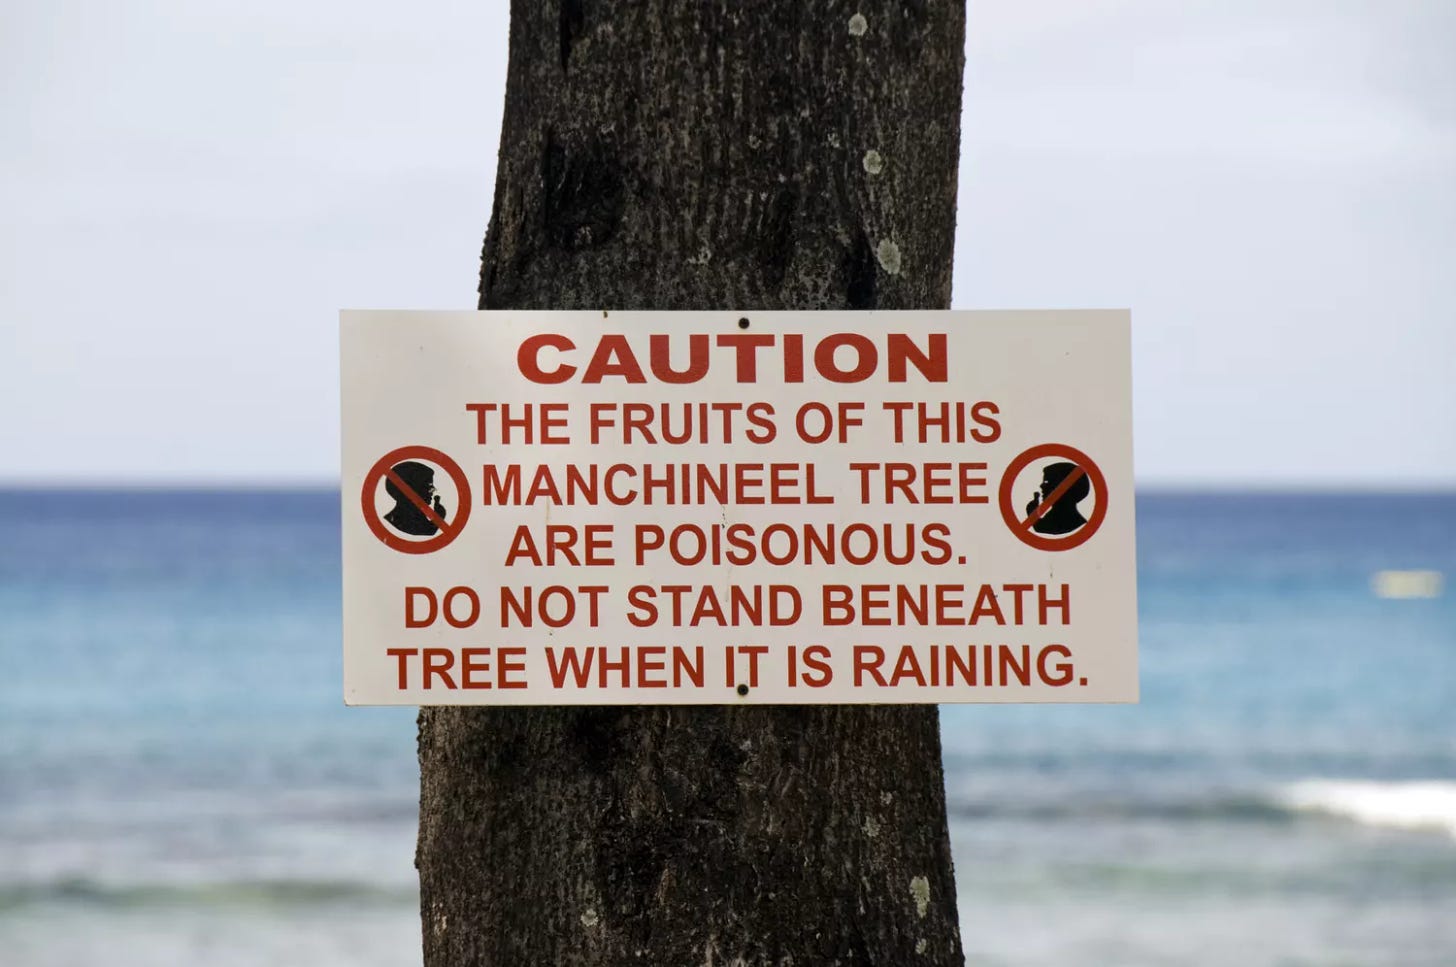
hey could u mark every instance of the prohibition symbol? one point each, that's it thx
(410, 482)
(1051, 521)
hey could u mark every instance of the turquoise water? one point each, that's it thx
(180, 784)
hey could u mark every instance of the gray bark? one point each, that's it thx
(738, 154)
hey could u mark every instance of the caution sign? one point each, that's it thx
(718, 507)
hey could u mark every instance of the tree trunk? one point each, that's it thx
(735, 154)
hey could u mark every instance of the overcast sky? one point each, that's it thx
(191, 189)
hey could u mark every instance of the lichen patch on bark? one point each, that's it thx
(887, 253)
(920, 891)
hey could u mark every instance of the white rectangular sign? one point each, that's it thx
(558, 508)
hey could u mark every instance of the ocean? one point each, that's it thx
(181, 784)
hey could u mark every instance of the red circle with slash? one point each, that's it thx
(383, 469)
(1022, 526)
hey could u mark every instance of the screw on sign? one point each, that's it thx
(408, 478)
(1052, 520)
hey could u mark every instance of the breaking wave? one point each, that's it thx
(1423, 804)
(257, 893)
(1414, 805)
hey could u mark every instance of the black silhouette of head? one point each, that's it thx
(1063, 516)
(406, 517)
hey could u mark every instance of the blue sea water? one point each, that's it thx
(180, 783)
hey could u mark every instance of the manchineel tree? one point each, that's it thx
(681, 155)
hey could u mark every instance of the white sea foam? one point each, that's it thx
(1426, 804)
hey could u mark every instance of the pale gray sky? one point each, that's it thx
(191, 189)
